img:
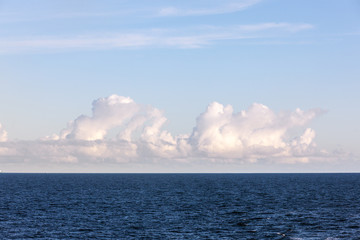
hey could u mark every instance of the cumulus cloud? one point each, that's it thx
(139, 131)
(121, 130)
(255, 133)
(3, 134)
(107, 114)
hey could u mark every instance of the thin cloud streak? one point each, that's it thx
(190, 38)
(223, 7)
(270, 26)
(228, 7)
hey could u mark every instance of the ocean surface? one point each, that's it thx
(179, 206)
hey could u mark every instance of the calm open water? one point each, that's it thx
(180, 206)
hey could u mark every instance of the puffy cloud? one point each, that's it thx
(4, 151)
(120, 130)
(140, 127)
(255, 133)
(3, 134)
(107, 113)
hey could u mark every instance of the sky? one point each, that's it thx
(179, 86)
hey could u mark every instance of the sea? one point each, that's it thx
(179, 206)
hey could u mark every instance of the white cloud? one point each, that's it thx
(68, 151)
(107, 113)
(183, 8)
(252, 134)
(220, 8)
(273, 25)
(139, 129)
(3, 134)
(192, 37)
(220, 134)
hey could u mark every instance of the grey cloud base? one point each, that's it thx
(220, 134)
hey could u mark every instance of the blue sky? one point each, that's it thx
(58, 57)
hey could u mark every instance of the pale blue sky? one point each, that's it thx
(57, 57)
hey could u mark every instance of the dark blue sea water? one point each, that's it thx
(180, 206)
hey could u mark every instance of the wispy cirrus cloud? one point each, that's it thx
(220, 7)
(178, 38)
(179, 8)
(273, 26)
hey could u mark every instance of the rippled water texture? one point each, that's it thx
(180, 206)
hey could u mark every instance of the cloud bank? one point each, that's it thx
(123, 131)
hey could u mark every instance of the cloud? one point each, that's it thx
(252, 134)
(221, 7)
(3, 134)
(204, 8)
(273, 25)
(69, 151)
(123, 131)
(192, 37)
(107, 114)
